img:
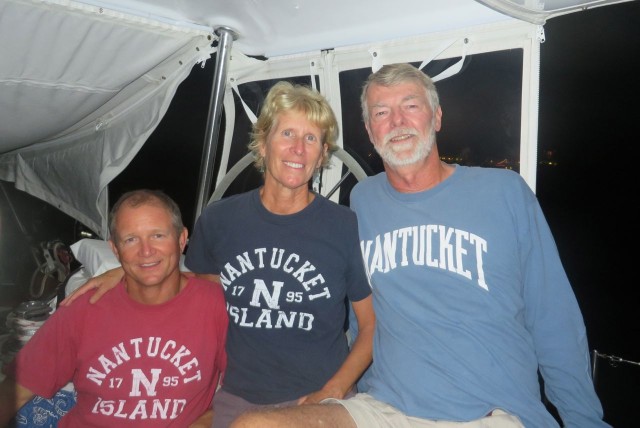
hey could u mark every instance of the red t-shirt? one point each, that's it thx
(131, 364)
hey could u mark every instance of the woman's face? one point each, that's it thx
(293, 151)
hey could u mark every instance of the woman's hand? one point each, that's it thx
(102, 283)
(358, 360)
(318, 396)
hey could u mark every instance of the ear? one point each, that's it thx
(114, 249)
(182, 239)
(366, 125)
(262, 150)
(323, 155)
(438, 122)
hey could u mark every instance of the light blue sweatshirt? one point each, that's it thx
(471, 300)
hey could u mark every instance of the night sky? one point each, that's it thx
(589, 115)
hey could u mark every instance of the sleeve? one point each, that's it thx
(358, 283)
(46, 363)
(199, 257)
(554, 319)
(221, 357)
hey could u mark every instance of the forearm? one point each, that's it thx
(208, 276)
(103, 282)
(360, 356)
(354, 365)
(12, 398)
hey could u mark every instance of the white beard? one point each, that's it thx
(396, 154)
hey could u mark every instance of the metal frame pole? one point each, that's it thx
(226, 38)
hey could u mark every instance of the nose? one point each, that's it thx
(298, 146)
(146, 248)
(397, 118)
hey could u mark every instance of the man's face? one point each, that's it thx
(147, 245)
(401, 125)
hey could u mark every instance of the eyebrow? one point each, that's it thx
(410, 97)
(405, 99)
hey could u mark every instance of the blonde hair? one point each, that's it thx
(284, 97)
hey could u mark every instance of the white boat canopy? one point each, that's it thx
(84, 84)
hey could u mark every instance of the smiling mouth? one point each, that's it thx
(294, 165)
(146, 265)
(401, 138)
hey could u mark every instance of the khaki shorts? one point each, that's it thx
(368, 412)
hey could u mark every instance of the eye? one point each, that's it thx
(130, 240)
(310, 138)
(287, 133)
(379, 114)
(414, 104)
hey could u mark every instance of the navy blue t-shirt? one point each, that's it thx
(286, 280)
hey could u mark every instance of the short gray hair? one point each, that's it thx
(395, 74)
(136, 198)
